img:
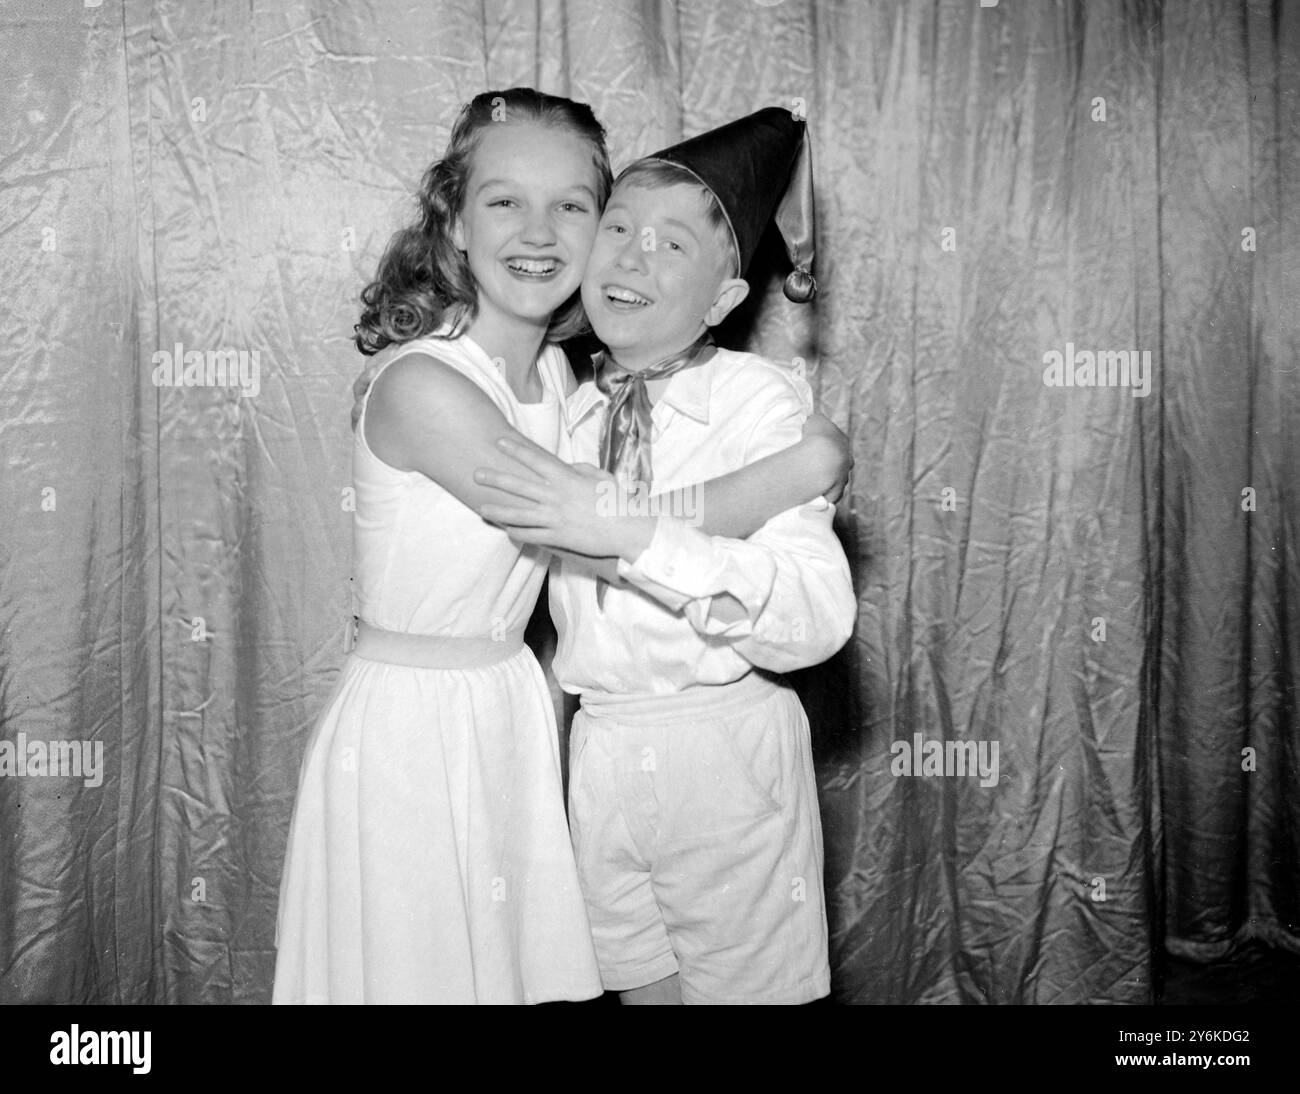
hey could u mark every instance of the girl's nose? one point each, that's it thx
(538, 230)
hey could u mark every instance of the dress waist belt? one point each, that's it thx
(429, 651)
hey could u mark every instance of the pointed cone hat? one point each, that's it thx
(759, 168)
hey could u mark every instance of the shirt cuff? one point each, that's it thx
(659, 568)
(684, 568)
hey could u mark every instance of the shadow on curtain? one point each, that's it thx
(1088, 588)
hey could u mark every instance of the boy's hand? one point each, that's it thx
(359, 388)
(569, 506)
(821, 432)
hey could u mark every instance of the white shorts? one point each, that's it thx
(698, 841)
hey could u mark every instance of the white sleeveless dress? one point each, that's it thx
(429, 858)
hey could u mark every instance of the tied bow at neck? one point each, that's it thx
(625, 440)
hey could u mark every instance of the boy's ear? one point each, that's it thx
(731, 294)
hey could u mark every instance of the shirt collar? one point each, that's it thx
(687, 392)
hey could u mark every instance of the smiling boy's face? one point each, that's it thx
(658, 274)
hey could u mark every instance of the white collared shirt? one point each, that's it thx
(655, 635)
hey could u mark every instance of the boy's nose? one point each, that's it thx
(633, 255)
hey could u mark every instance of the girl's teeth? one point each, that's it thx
(532, 267)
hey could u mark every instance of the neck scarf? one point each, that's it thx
(625, 440)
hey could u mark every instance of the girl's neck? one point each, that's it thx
(514, 345)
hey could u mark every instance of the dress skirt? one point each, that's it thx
(429, 857)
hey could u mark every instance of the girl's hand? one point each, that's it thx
(833, 452)
(575, 507)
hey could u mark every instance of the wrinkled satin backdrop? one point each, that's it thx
(225, 176)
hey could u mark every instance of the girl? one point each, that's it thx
(429, 857)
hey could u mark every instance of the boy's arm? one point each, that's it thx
(782, 598)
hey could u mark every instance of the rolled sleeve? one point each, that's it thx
(791, 579)
(684, 569)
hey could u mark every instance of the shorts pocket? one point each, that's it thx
(753, 748)
(578, 734)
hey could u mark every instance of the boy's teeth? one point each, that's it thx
(532, 265)
(626, 297)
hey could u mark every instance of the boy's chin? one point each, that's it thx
(628, 332)
(609, 330)
(613, 346)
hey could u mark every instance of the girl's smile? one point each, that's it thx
(534, 269)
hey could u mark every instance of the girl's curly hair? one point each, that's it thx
(422, 278)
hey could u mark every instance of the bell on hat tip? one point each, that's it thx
(799, 285)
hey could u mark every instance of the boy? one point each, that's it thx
(693, 805)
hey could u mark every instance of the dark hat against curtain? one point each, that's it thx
(759, 168)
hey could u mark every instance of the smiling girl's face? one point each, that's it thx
(527, 221)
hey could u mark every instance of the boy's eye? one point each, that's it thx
(672, 246)
(615, 227)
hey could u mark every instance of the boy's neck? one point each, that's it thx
(637, 360)
(641, 362)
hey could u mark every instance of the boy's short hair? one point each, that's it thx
(653, 174)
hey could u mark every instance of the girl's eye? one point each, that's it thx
(573, 207)
(501, 202)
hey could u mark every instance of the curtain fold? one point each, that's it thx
(1227, 709)
(1093, 586)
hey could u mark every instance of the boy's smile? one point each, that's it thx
(623, 299)
(656, 276)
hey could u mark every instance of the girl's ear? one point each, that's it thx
(457, 233)
(731, 294)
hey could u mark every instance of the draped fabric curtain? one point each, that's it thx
(1089, 588)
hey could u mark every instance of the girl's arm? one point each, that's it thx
(606, 567)
(426, 416)
(738, 504)
(578, 507)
